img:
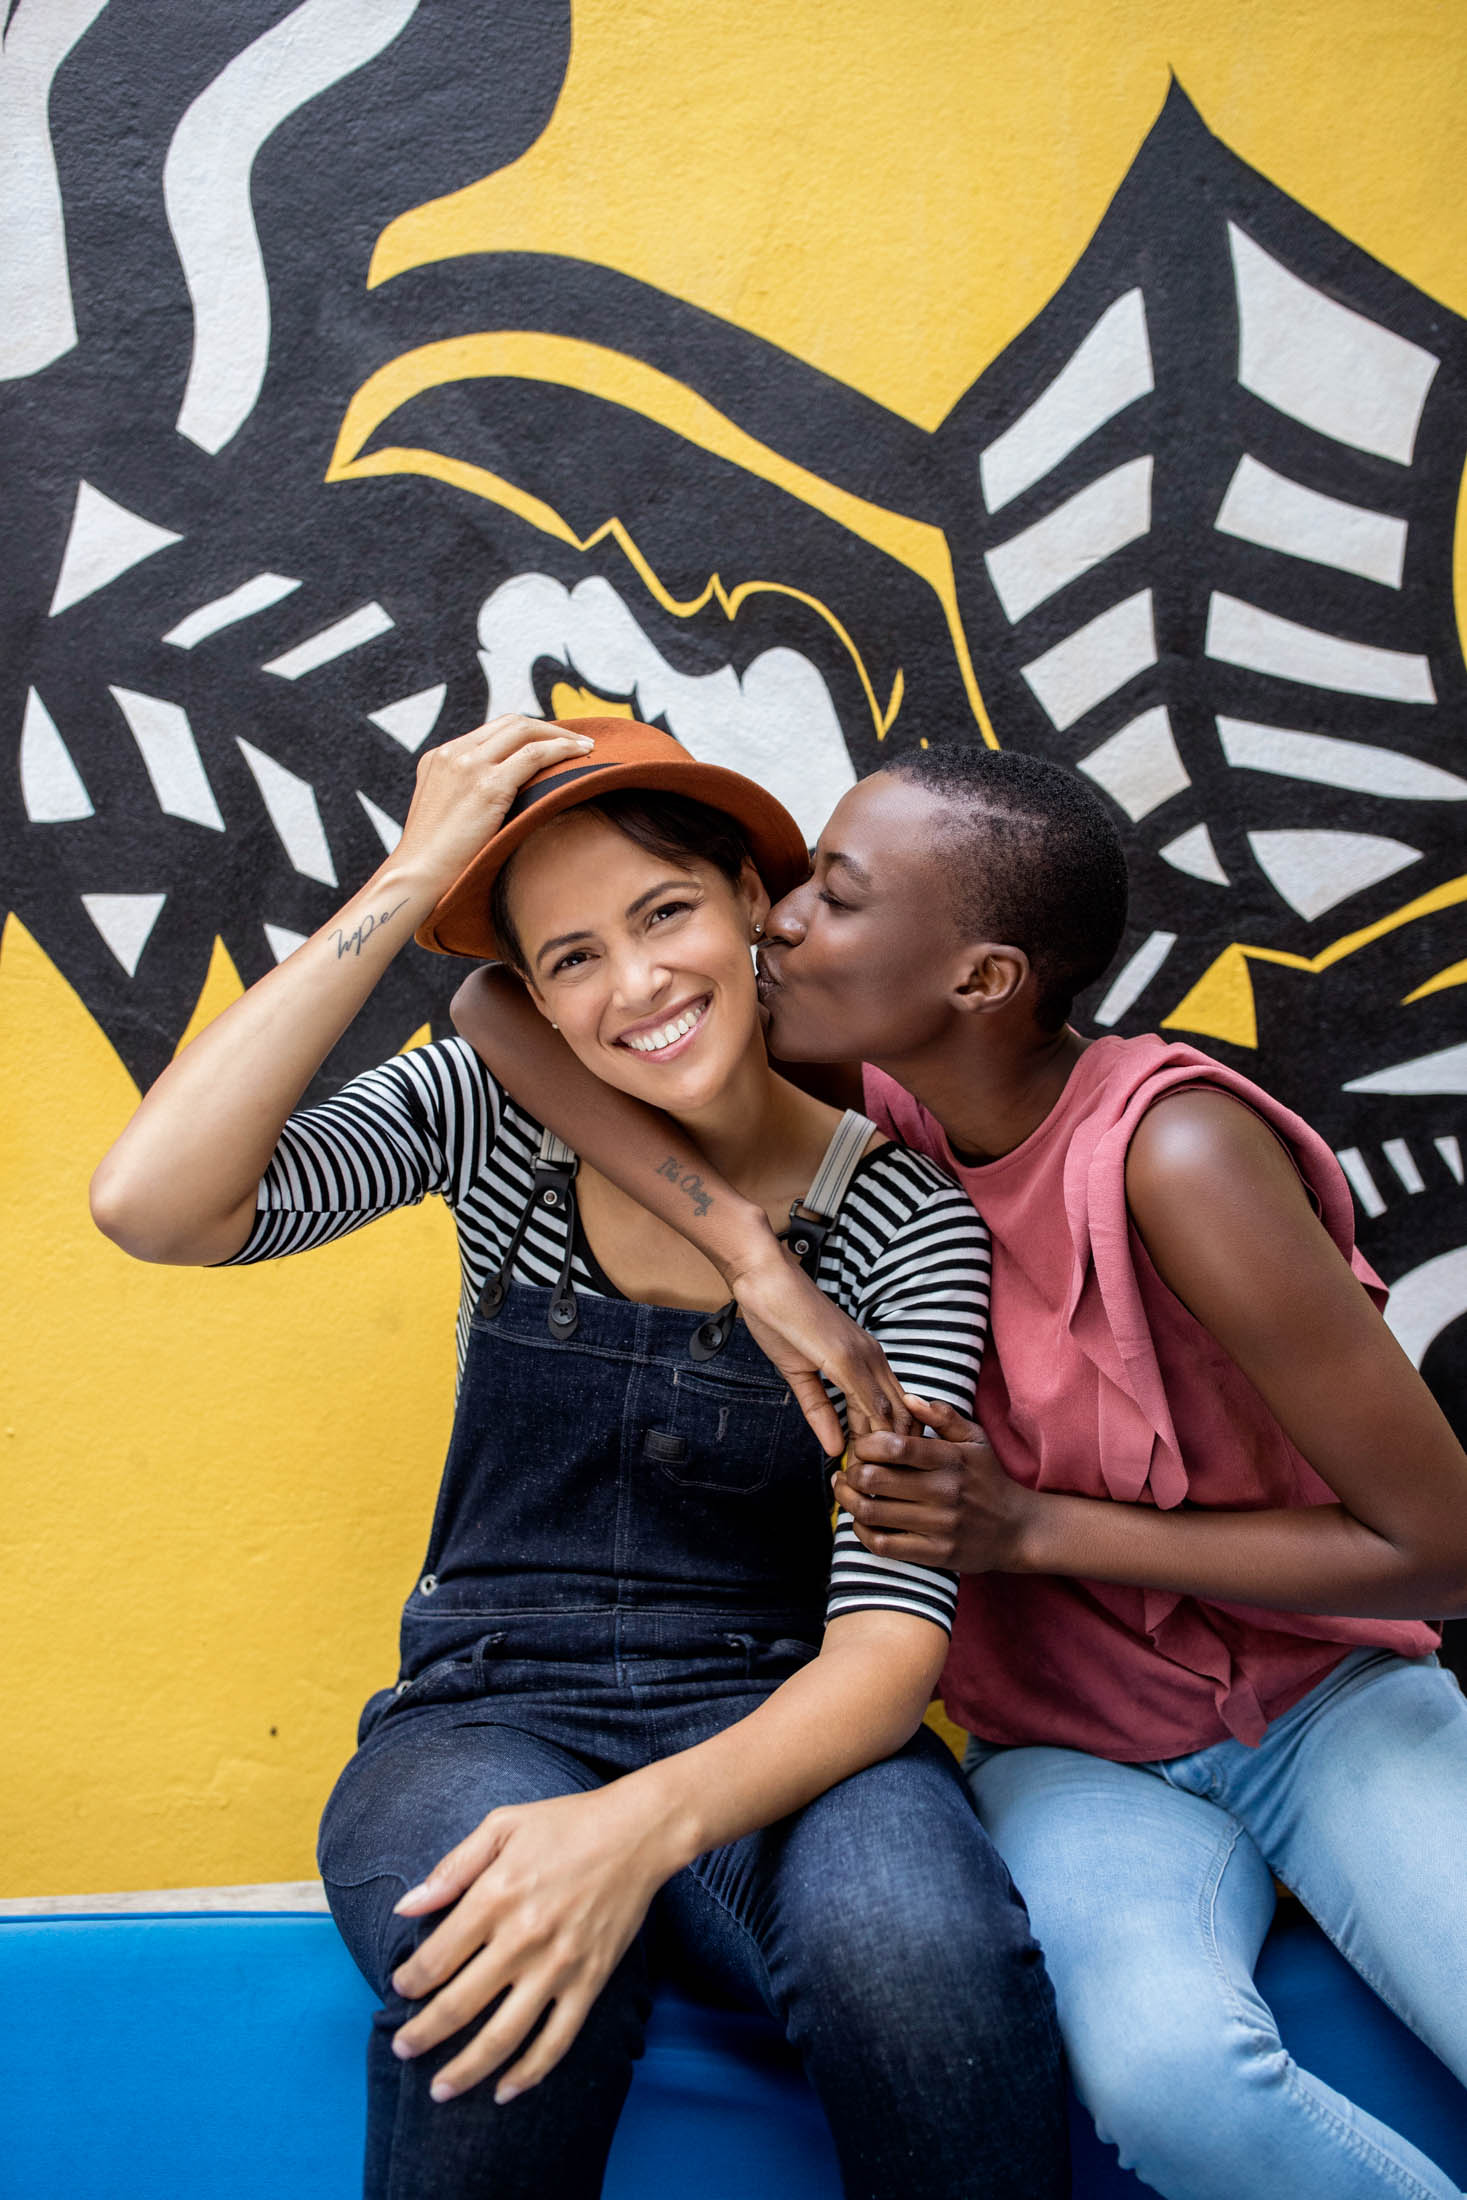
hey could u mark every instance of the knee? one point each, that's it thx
(1179, 2091)
(924, 1949)
(376, 1939)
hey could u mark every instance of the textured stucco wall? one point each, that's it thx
(218, 1485)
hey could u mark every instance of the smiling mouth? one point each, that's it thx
(672, 1037)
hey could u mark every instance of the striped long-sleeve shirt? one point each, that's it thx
(907, 1257)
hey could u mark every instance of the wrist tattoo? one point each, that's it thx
(686, 1180)
(352, 943)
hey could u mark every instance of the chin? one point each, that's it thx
(787, 1042)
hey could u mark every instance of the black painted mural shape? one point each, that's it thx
(1199, 517)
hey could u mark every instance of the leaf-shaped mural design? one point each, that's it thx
(1191, 533)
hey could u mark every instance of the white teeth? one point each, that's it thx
(653, 1042)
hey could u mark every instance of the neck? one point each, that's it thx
(990, 1089)
(750, 1121)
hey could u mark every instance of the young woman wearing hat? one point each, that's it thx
(620, 1714)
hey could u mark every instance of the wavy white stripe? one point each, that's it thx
(1094, 661)
(1240, 633)
(1079, 534)
(358, 627)
(1314, 868)
(1403, 1161)
(1109, 371)
(51, 787)
(294, 812)
(1134, 976)
(1331, 762)
(1362, 1183)
(1140, 767)
(206, 192)
(1279, 514)
(1322, 363)
(1425, 1301)
(171, 756)
(244, 602)
(37, 324)
(1444, 1071)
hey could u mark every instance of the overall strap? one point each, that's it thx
(552, 1189)
(811, 1217)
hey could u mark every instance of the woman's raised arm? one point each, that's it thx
(648, 1156)
(179, 1185)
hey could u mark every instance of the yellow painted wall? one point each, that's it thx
(218, 1486)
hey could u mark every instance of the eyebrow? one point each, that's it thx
(858, 872)
(633, 908)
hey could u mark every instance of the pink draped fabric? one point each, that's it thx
(1099, 1382)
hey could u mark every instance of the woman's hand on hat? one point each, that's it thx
(465, 789)
(939, 1500)
(547, 1898)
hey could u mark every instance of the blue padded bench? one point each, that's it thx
(218, 2056)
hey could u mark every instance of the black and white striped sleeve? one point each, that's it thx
(426, 1121)
(916, 1276)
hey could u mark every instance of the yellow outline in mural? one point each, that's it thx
(1454, 974)
(618, 379)
(1221, 1006)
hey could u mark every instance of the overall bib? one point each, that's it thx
(629, 1553)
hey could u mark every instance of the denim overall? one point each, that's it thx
(629, 1553)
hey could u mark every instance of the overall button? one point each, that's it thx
(427, 1585)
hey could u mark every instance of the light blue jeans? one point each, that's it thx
(1150, 1888)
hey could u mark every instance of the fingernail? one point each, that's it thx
(411, 1896)
(441, 2090)
(402, 2049)
(583, 741)
(507, 2092)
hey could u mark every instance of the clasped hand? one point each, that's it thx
(547, 1898)
(806, 1335)
(939, 1500)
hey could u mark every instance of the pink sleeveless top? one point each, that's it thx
(1098, 1381)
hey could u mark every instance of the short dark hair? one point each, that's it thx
(672, 826)
(1039, 863)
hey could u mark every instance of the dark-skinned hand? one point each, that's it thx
(939, 1500)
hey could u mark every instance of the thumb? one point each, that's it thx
(944, 1420)
(456, 1871)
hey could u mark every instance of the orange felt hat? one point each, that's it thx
(627, 754)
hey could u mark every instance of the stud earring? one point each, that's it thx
(758, 931)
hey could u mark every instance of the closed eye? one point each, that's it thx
(832, 901)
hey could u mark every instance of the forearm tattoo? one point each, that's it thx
(352, 943)
(686, 1180)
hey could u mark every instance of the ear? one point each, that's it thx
(990, 976)
(751, 893)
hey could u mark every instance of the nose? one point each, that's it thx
(788, 919)
(638, 976)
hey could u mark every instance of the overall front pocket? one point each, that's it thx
(718, 1433)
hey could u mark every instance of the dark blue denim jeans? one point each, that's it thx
(878, 1926)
